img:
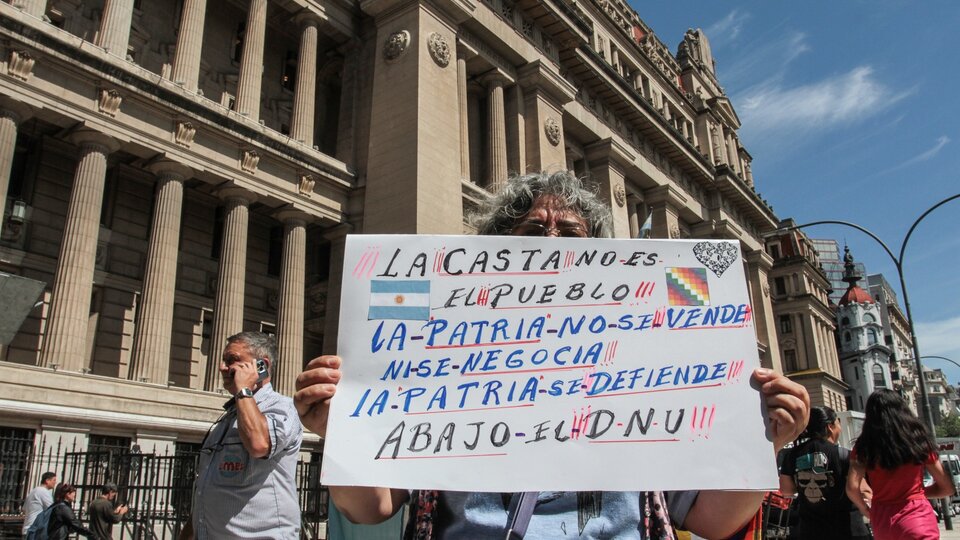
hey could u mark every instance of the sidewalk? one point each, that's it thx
(951, 535)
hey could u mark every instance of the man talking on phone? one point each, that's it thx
(246, 477)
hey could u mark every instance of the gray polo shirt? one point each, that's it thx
(237, 496)
(37, 500)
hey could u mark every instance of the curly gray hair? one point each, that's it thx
(499, 213)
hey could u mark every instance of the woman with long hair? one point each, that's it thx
(815, 469)
(892, 452)
(63, 521)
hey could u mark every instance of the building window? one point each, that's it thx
(774, 251)
(786, 327)
(846, 337)
(217, 243)
(780, 286)
(790, 360)
(796, 283)
(872, 337)
(879, 381)
(845, 321)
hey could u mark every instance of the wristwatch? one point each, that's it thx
(243, 393)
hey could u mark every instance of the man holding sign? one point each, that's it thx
(522, 373)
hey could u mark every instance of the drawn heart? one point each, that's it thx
(716, 256)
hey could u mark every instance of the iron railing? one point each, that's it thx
(157, 488)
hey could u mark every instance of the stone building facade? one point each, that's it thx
(805, 319)
(180, 170)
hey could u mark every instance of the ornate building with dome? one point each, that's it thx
(864, 356)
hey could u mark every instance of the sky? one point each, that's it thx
(849, 110)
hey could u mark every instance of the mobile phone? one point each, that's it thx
(262, 371)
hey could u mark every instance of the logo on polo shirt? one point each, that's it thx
(232, 465)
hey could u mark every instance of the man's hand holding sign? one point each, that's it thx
(501, 365)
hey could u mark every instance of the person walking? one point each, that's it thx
(892, 452)
(815, 472)
(38, 499)
(63, 521)
(102, 513)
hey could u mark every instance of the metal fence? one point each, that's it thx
(158, 488)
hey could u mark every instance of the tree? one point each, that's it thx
(949, 426)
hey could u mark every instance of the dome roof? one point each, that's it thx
(856, 295)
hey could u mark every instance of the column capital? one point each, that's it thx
(292, 216)
(307, 18)
(665, 195)
(230, 191)
(541, 77)
(165, 167)
(85, 136)
(610, 151)
(494, 77)
(15, 110)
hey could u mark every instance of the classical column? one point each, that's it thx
(290, 359)
(114, 35)
(664, 203)
(514, 119)
(251, 64)
(305, 97)
(186, 60)
(758, 268)
(609, 161)
(337, 237)
(150, 361)
(66, 334)
(231, 278)
(464, 117)
(496, 135)
(11, 114)
(31, 7)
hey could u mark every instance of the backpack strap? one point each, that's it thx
(519, 514)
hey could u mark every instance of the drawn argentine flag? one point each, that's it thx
(405, 300)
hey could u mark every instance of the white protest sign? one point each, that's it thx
(478, 363)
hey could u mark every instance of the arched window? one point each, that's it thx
(879, 381)
(869, 318)
(872, 336)
(846, 336)
(845, 321)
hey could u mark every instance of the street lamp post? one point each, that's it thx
(926, 413)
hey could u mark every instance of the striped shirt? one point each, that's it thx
(237, 496)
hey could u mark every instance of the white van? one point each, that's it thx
(951, 465)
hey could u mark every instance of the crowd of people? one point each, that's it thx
(246, 481)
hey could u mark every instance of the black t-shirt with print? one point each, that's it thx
(819, 470)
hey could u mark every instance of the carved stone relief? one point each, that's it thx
(184, 133)
(620, 195)
(551, 128)
(396, 45)
(439, 49)
(249, 160)
(20, 65)
(306, 184)
(109, 101)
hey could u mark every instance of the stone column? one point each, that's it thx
(609, 161)
(231, 279)
(545, 94)
(186, 60)
(150, 361)
(496, 134)
(289, 361)
(305, 97)
(114, 35)
(66, 335)
(37, 8)
(251, 64)
(337, 237)
(758, 268)
(664, 203)
(464, 117)
(11, 114)
(515, 130)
